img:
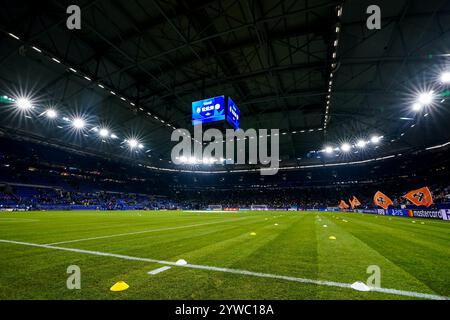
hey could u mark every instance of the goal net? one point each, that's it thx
(215, 207)
(259, 207)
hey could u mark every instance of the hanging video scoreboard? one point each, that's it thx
(215, 109)
(233, 114)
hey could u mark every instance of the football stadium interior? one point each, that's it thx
(352, 98)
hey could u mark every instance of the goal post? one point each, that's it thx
(259, 207)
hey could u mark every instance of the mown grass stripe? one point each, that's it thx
(143, 231)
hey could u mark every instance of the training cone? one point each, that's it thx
(253, 233)
(332, 238)
(119, 286)
(360, 286)
(181, 262)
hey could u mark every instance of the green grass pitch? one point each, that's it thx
(411, 256)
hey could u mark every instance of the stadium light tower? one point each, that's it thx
(328, 150)
(361, 144)
(133, 143)
(24, 103)
(445, 77)
(426, 98)
(417, 107)
(375, 139)
(103, 132)
(50, 113)
(78, 123)
(346, 147)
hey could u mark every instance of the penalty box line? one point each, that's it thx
(144, 231)
(412, 294)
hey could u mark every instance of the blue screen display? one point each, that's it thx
(208, 110)
(233, 114)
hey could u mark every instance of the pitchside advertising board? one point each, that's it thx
(216, 109)
(443, 214)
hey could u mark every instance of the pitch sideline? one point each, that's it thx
(234, 271)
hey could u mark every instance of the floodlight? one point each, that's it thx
(417, 106)
(140, 146)
(78, 123)
(103, 132)
(375, 139)
(50, 113)
(361, 144)
(24, 103)
(445, 77)
(133, 143)
(328, 149)
(426, 98)
(346, 147)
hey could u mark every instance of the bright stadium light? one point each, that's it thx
(417, 107)
(24, 103)
(103, 132)
(328, 150)
(133, 143)
(361, 144)
(346, 147)
(445, 77)
(375, 139)
(50, 113)
(78, 123)
(140, 146)
(426, 98)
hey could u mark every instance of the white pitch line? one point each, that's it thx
(159, 270)
(143, 231)
(235, 271)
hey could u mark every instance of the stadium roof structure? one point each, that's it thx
(310, 68)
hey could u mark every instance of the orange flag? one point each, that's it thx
(420, 197)
(354, 202)
(382, 200)
(343, 205)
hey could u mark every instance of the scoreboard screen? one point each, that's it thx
(208, 110)
(233, 114)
